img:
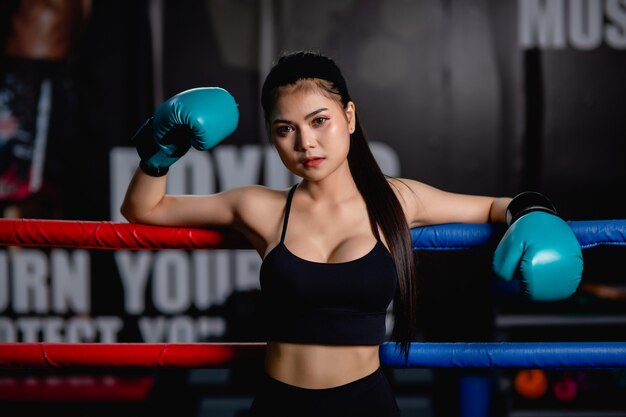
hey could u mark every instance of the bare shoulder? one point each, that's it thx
(418, 199)
(408, 192)
(424, 204)
(259, 210)
(257, 199)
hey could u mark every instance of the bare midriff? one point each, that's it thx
(320, 366)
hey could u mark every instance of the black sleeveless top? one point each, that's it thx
(326, 303)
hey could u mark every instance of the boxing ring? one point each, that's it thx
(124, 236)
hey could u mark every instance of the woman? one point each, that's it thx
(336, 247)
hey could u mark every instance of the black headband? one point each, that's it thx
(302, 65)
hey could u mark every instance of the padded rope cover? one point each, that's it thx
(126, 355)
(555, 355)
(114, 236)
(457, 236)
(215, 355)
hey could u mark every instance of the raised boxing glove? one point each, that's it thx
(200, 117)
(539, 249)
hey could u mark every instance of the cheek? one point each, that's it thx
(284, 148)
(279, 148)
(340, 135)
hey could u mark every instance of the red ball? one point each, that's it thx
(565, 389)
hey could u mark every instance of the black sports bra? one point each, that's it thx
(326, 303)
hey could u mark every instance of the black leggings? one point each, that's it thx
(370, 396)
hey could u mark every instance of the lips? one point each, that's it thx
(312, 161)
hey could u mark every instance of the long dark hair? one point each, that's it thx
(380, 199)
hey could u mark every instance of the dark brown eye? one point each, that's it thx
(283, 130)
(318, 121)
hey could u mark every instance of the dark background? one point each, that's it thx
(447, 84)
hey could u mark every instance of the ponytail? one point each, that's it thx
(388, 214)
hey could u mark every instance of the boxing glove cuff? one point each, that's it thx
(146, 147)
(527, 202)
(153, 171)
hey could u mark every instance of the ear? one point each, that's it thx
(350, 111)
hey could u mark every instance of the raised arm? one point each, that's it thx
(201, 118)
(146, 202)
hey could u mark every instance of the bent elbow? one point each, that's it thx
(128, 214)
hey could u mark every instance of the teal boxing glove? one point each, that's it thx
(200, 117)
(539, 249)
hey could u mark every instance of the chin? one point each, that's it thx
(311, 176)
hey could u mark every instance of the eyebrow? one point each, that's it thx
(308, 116)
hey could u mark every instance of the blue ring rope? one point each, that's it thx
(543, 355)
(459, 236)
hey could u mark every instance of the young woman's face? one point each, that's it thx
(311, 132)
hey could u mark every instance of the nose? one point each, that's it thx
(306, 140)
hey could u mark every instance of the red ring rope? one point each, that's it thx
(114, 236)
(126, 355)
